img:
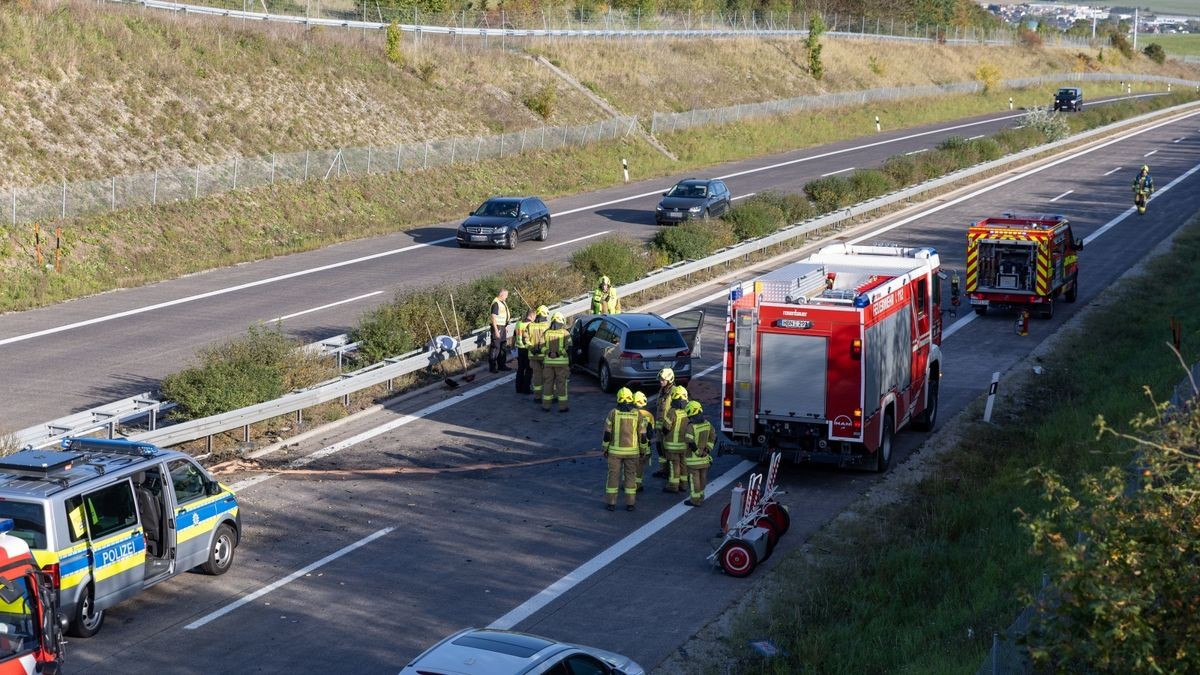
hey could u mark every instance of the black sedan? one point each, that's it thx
(503, 221)
(692, 198)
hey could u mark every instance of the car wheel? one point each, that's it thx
(511, 242)
(463, 244)
(606, 380)
(706, 215)
(87, 620)
(543, 231)
(220, 556)
(883, 456)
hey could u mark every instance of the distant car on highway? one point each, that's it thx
(1069, 98)
(500, 652)
(630, 349)
(504, 221)
(690, 199)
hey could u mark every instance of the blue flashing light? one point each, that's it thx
(65, 443)
(735, 294)
(6, 525)
(862, 300)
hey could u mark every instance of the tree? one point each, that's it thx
(394, 54)
(816, 26)
(1121, 43)
(1155, 53)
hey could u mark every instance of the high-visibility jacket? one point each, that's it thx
(521, 335)
(537, 339)
(624, 432)
(701, 439)
(675, 431)
(664, 404)
(500, 311)
(648, 418)
(606, 302)
(558, 347)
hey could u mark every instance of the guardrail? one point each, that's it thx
(390, 369)
(105, 417)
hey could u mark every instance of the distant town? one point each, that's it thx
(1083, 18)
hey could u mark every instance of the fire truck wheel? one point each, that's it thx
(87, 620)
(1073, 292)
(738, 559)
(981, 310)
(883, 456)
(929, 416)
(779, 513)
(1047, 310)
(220, 556)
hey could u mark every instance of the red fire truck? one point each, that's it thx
(1022, 261)
(827, 358)
(30, 627)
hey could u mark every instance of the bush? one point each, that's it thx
(755, 218)
(870, 183)
(902, 169)
(619, 257)
(543, 284)
(987, 149)
(875, 66)
(989, 76)
(960, 151)
(1029, 38)
(816, 26)
(1048, 122)
(394, 54)
(260, 366)
(1121, 43)
(1155, 53)
(692, 240)
(1015, 140)
(829, 193)
(795, 207)
(541, 100)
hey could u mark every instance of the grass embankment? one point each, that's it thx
(920, 585)
(1181, 45)
(138, 246)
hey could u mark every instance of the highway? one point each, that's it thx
(348, 566)
(80, 354)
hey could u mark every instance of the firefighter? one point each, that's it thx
(556, 368)
(639, 401)
(498, 350)
(624, 435)
(604, 298)
(666, 382)
(524, 377)
(701, 439)
(1143, 186)
(674, 440)
(537, 348)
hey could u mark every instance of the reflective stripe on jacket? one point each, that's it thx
(558, 347)
(700, 440)
(627, 430)
(500, 311)
(521, 335)
(675, 431)
(536, 339)
(649, 419)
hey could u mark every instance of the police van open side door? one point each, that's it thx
(689, 324)
(116, 542)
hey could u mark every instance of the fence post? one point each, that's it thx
(112, 203)
(196, 183)
(398, 157)
(522, 150)
(306, 165)
(64, 199)
(235, 172)
(368, 160)
(14, 204)
(154, 190)
(425, 161)
(272, 168)
(453, 147)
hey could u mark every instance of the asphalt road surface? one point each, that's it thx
(81, 354)
(406, 559)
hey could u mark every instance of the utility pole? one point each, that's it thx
(1135, 23)
(1093, 27)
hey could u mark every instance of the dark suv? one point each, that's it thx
(503, 221)
(692, 198)
(1069, 98)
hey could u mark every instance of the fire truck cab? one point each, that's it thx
(1022, 261)
(827, 358)
(30, 626)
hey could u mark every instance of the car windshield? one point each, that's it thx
(1066, 93)
(16, 616)
(645, 340)
(499, 208)
(29, 521)
(692, 191)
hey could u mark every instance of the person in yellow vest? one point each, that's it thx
(604, 298)
(666, 382)
(674, 440)
(524, 378)
(639, 401)
(498, 349)
(556, 368)
(537, 346)
(624, 435)
(701, 439)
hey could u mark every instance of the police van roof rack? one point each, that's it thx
(41, 464)
(110, 447)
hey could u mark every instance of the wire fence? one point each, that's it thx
(70, 199)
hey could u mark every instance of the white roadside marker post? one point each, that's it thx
(991, 400)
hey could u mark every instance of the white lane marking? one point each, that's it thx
(1062, 195)
(1114, 171)
(293, 315)
(1179, 139)
(745, 196)
(834, 173)
(1149, 153)
(208, 618)
(999, 184)
(382, 254)
(975, 138)
(961, 323)
(572, 241)
(917, 152)
(217, 292)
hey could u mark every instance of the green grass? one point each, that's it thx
(921, 585)
(1179, 45)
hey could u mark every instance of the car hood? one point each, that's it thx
(488, 221)
(680, 202)
(622, 663)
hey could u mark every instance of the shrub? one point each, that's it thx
(869, 183)
(875, 66)
(959, 150)
(816, 26)
(259, 366)
(1015, 140)
(543, 284)
(829, 193)
(1048, 122)
(427, 71)
(795, 207)
(902, 169)
(987, 149)
(1029, 38)
(754, 218)
(541, 100)
(1155, 53)
(394, 54)
(692, 240)
(989, 76)
(1121, 43)
(397, 327)
(620, 258)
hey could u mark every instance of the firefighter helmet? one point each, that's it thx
(605, 281)
(666, 375)
(624, 395)
(542, 310)
(693, 408)
(679, 394)
(559, 319)
(639, 399)
(1145, 168)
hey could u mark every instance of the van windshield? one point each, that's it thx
(29, 521)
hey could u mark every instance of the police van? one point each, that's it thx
(106, 519)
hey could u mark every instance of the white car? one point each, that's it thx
(501, 652)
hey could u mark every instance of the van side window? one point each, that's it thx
(76, 524)
(110, 510)
(922, 292)
(188, 482)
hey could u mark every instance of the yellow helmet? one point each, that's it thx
(542, 310)
(605, 281)
(1145, 168)
(624, 395)
(558, 318)
(693, 408)
(639, 399)
(666, 375)
(679, 394)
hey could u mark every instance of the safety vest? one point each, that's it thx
(605, 302)
(558, 347)
(536, 339)
(626, 429)
(699, 434)
(675, 431)
(500, 310)
(521, 335)
(664, 404)
(648, 417)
